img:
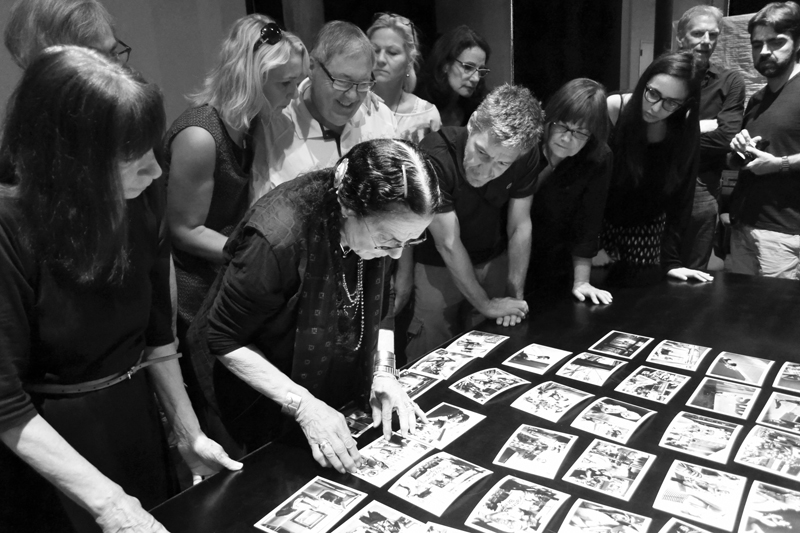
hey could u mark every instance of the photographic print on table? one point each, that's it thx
(741, 368)
(476, 343)
(771, 450)
(611, 469)
(315, 508)
(652, 384)
(441, 364)
(535, 450)
(590, 368)
(675, 525)
(436, 482)
(678, 355)
(536, 358)
(484, 385)
(446, 423)
(516, 505)
(782, 411)
(769, 509)
(788, 377)
(586, 516)
(612, 419)
(701, 436)
(621, 344)
(385, 459)
(359, 423)
(415, 384)
(550, 400)
(724, 397)
(376, 517)
(702, 494)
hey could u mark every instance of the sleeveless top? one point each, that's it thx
(229, 202)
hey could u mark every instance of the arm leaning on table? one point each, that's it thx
(519, 244)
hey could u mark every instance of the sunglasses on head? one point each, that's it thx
(270, 34)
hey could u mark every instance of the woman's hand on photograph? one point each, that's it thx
(387, 396)
(686, 274)
(125, 514)
(582, 290)
(328, 435)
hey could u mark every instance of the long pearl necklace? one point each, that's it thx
(355, 299)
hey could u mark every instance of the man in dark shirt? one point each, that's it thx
(721, 109)
(765, 204)
(486, 174)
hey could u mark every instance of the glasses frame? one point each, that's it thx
(271, 34)
(666, 103)
(361, 86)
(408, 243)
(400, 20)
(125, 54)
(561, 129)
(467, 67)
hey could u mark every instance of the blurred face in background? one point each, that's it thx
(701, 36)
(391, 60)
(463, 74)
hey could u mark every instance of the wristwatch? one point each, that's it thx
(291, 404)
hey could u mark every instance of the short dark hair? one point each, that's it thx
(582, 101)
(75, 115)
(783, 17)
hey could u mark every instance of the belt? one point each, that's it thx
(97, 384)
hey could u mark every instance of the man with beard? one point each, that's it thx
(721, 108)
(476, 262)
(765, 205)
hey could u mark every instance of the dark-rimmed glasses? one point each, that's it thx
(654, 96)
(270, 34)
(470, 68)
(400, 20)
(345, 85)
(411, 242)
(121, 54)
(560, 129)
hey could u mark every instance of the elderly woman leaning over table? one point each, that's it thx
(292, 322)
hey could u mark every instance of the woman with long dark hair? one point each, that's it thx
(655, 140)
(84, 303)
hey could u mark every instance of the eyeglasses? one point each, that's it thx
(471, 68)
(270, 34)
(560, 129)
(345, 85)
(654, 96)
(121, 54)
(411, 242)
(400, 19)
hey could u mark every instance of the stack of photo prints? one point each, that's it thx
(697, 498)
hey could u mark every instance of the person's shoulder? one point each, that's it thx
(277, 214)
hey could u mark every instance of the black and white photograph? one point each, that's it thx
(446, 423)
(586, 516)
(770, 509)
(359, 422)
(701, 436)
(590, 368)
(441, 364)
(771, 450)
(516, 505)
(536, 358)
(486, 384)
(621, 344)
(550, 400)
(415, 384)
(612, 419)
(535, 450)
(433, 527)
(315, 508)
(653, 384)
(741, 368)
(376, 517)
(676, 525)
(476, 343)
(385, 459)
(788, 377)
(678, 355)
(436, 482)
(611, 469)
(781, 411)
(724, 397)
(706, 495)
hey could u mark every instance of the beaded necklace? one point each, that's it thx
(355, 300)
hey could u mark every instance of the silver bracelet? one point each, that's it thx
(384, 358)
(380, 370)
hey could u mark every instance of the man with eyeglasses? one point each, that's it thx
(332, 112)
(475, 265)
(721, 109)
(765, 204)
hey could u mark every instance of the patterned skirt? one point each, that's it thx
(636, 251)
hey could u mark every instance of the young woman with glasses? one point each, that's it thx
(394, 39)
(453, 76)
(208, 151)
(655, 140)
(573, 174)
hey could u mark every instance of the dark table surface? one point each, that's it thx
(751, 316)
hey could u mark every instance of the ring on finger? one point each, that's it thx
(324, 444)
